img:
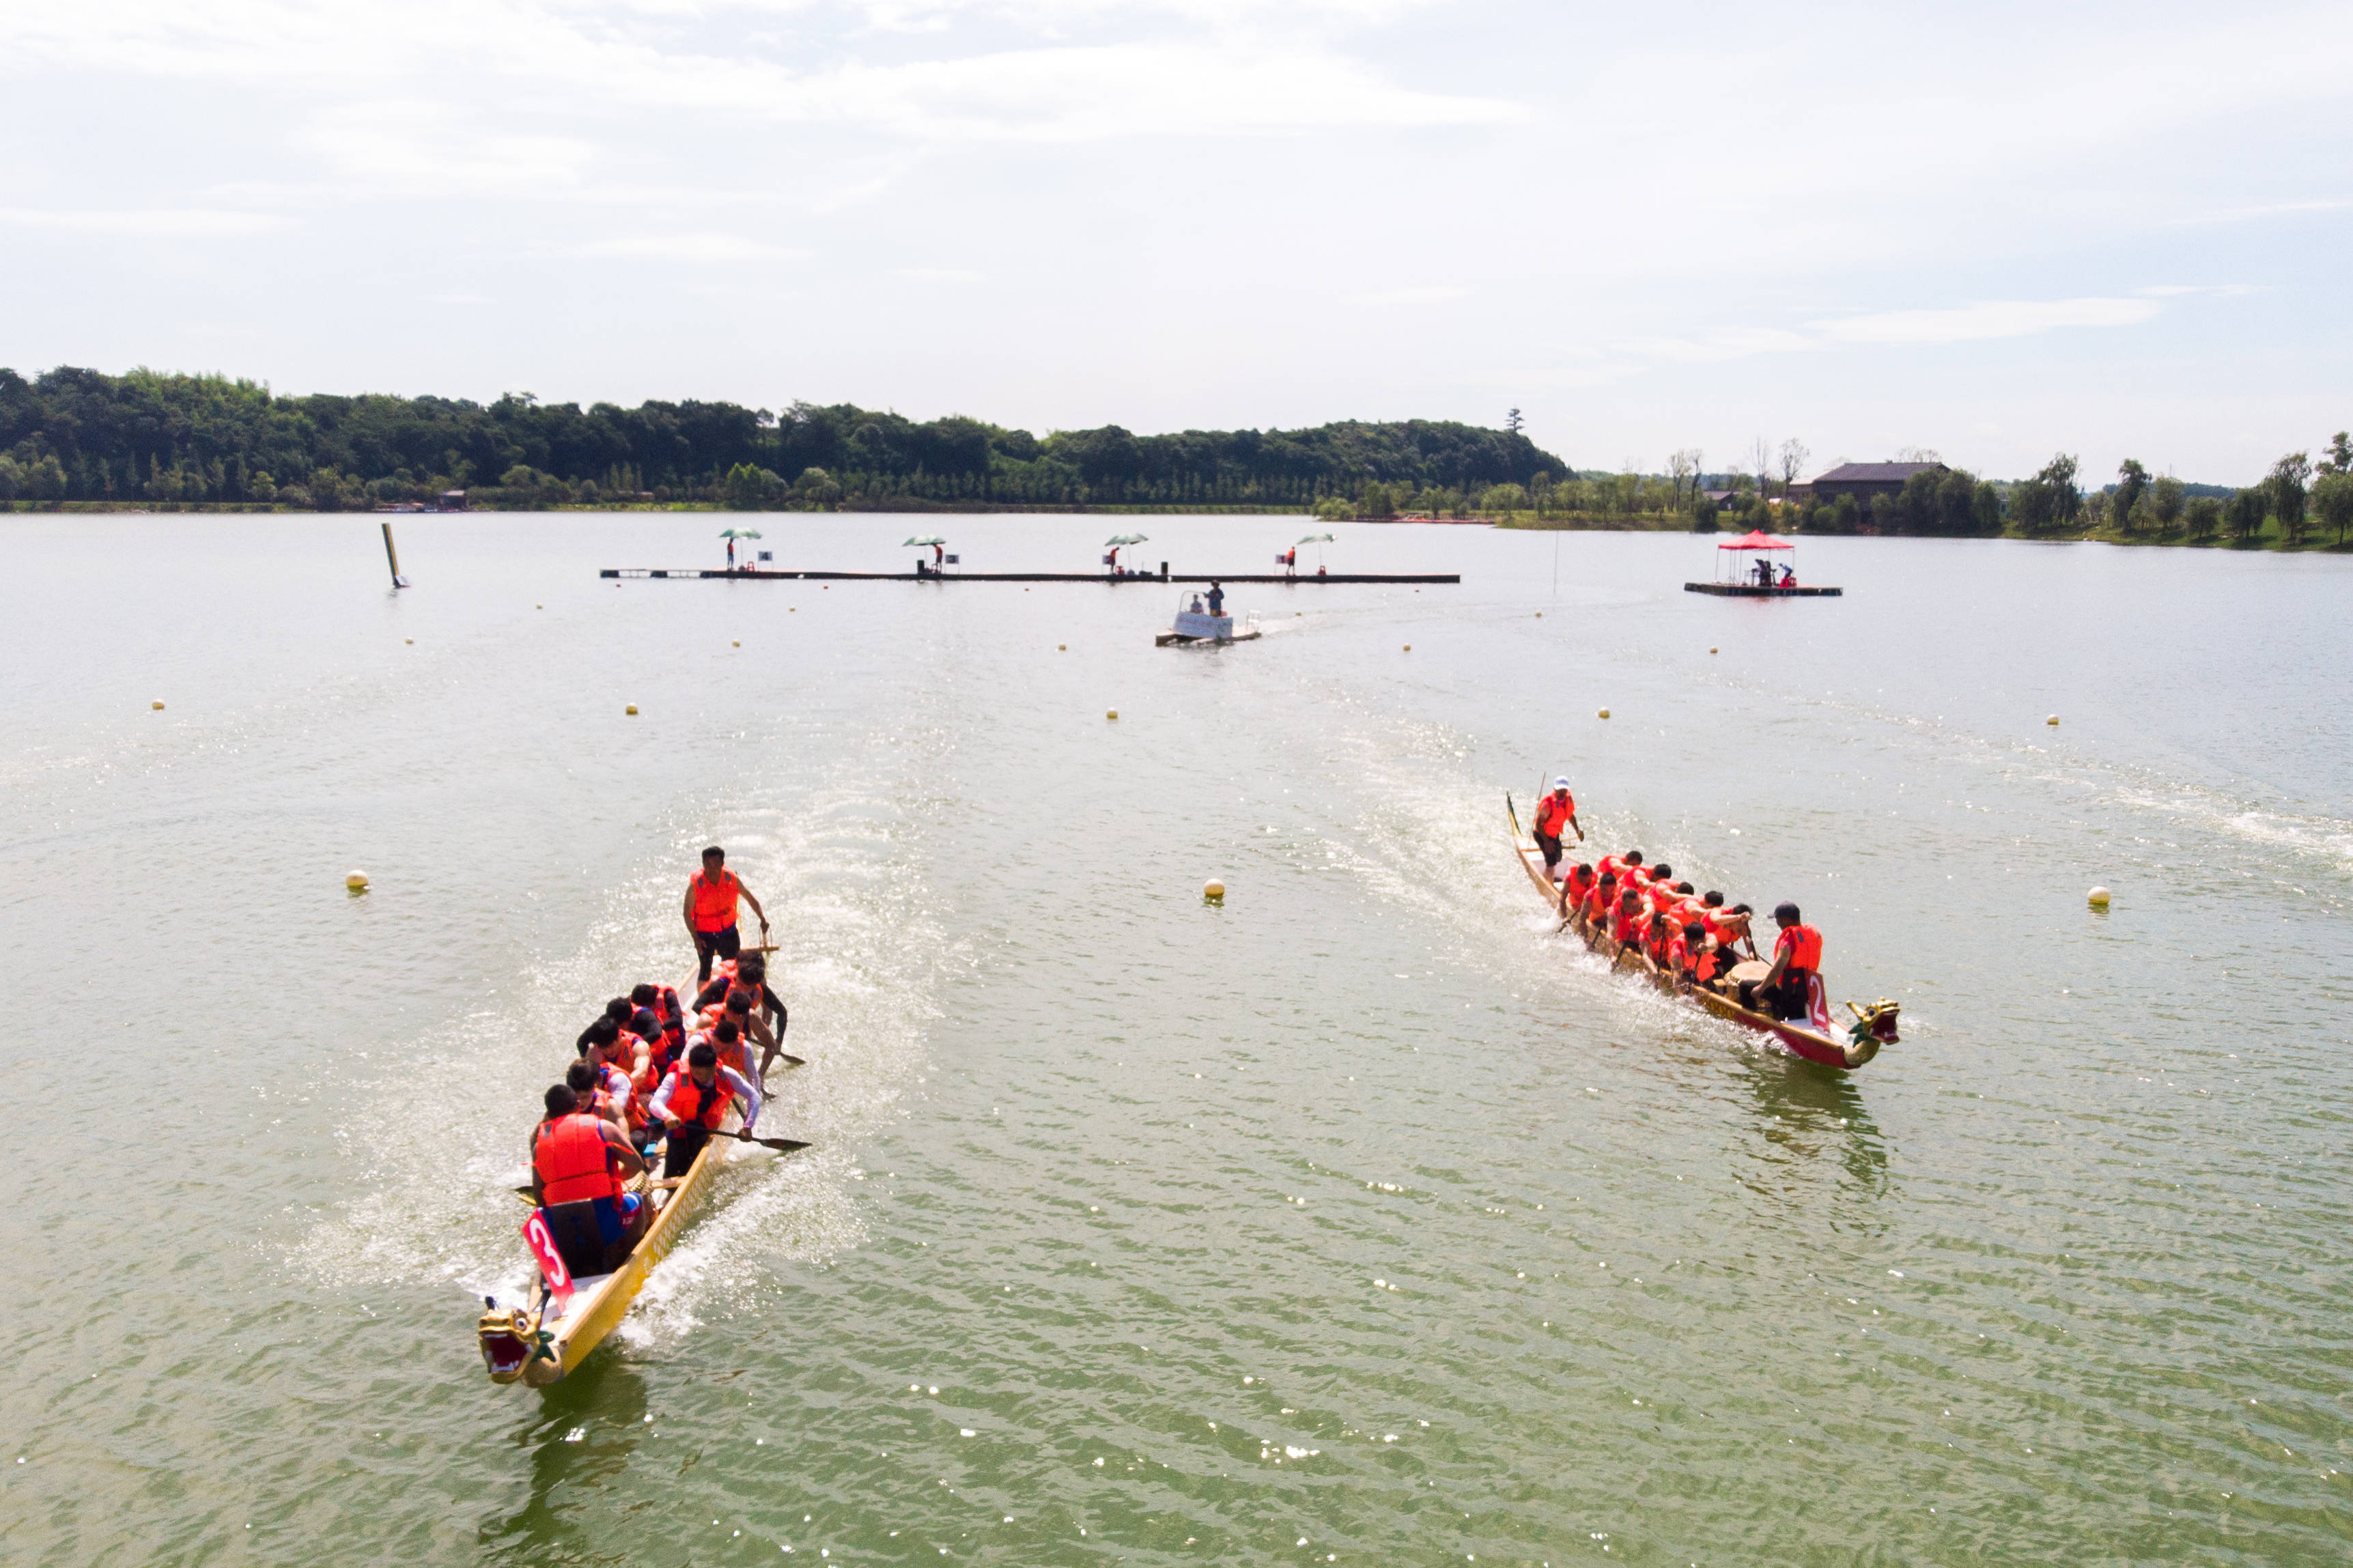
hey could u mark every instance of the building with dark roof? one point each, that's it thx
(1864, 480)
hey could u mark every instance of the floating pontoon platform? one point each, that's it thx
(770, 574)
(1750, 591)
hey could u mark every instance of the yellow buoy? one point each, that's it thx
(1214, 890)
(631, 710)
(539, 606)
(1409, 647)
(737, 643)
(1605, 714)
(409, 640)
(1061, 647)
(2099, 897)
(356, 882)
(1540, 614)
(1111, 712)
(158, 707)
(1710, 650)
(2053, 719)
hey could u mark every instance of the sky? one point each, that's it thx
(1993, 231)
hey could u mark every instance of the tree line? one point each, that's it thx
(2301, 500)
(76, 434)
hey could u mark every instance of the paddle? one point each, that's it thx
(781, 1146)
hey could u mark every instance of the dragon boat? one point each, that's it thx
(574, 1313)
(1815, 1038)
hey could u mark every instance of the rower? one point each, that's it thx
(766, 1021)
(664, 1003)
(620, 1010)
(1575, 887)
(1619, 865)
(603, 1090)
(1703, 961)
(710, 910)
(691, 1102)
(1786, 989)
(1732, 927)
(1217, 600)
(578, 1158)
(1556, 811)
(726, 1038)
(1679, 951)
(1625, 929)
(1602, 900)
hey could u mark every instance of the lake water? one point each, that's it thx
(1361, 1220)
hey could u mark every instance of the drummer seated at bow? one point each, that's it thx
(1786, 989)
(693, 1102)
(580, 1168)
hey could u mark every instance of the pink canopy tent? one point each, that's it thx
(1736, 567)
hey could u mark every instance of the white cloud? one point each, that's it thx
(709, 249)
(1987, 318)
(421, 147)
(147, 222)
(1431, 294)
(1213, 81)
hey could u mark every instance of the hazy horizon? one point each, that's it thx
(1991, 232)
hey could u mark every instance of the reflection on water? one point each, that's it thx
(581, 1435)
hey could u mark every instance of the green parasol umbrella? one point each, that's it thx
(925, 539)
(1125, 539)
(739, 533)
(1319, 539)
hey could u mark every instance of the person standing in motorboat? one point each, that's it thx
(1217, 600)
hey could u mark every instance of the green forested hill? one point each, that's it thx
(84, 436)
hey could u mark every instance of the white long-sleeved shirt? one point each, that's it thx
(742, 1088)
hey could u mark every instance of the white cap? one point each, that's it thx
(1560, 783)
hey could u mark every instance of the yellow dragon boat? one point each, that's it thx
(541, 1345)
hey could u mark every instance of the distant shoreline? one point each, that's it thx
(1520, 521)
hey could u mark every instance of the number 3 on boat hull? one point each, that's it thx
(1873, 1026)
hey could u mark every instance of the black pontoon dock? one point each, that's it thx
(1751, 591)
(773, 574)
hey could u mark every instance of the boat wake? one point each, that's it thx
(856, 968)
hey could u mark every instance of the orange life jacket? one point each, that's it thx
(1804, 944)
(574, 1162)
(1580, 882)
(1553, 813)
(616, 1077)
(691, 1102)
(714, 902)
(1610, 863)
